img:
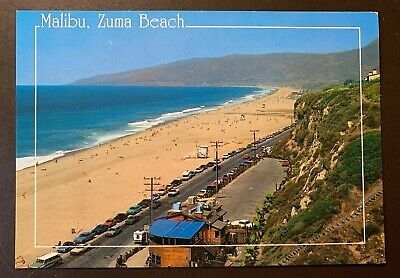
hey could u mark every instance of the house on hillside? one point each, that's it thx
(373, 75)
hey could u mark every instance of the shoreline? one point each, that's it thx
(28, 162)
(106, 179)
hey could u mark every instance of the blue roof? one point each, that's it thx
(181, 229)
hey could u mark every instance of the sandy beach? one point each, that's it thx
(85, 188)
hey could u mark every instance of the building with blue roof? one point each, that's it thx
(176, 232)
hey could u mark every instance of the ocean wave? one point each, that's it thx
(190, 110)
(28, 161)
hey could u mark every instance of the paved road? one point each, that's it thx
(111, 247)
(250, 188)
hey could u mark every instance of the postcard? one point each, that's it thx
(197, 139)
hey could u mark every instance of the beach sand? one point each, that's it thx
(85, 188)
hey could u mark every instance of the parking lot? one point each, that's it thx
(241, 197)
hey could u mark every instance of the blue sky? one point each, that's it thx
(65, 55)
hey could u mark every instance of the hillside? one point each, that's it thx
(295, 69)
(321, 200)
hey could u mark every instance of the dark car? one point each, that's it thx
(176, 182)
(66, 247)
(210, 164)
(113, 231)
(215, 167)
(120, 217)
(84, 237)
(99, 229)
(132, 219)
(144, 203)
(163, 191)
(156, 204)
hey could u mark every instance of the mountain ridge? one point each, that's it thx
(305, 70)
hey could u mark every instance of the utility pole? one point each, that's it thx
(216, 160)
(254, 140)
(151, 179)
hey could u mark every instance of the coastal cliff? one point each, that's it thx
(322, 199)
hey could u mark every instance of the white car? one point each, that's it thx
(173, 192)
(244, 223)
(186, 176)
(79, 249)
(225, 156)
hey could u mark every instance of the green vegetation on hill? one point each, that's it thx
(324, 151)
(302, 70)
(348, 168)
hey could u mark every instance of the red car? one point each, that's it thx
(110, 222)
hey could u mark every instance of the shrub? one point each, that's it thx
(348, 169)
(322, 209)
(371, 229)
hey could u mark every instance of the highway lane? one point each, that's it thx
(106, 255)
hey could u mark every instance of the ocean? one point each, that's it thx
(76, 117)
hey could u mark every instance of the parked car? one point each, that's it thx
(46, 261)
(132, 219)
(110, 222)
(176, 182)
(99, 229)
(173, 192)
(84, 237)
(113, 231)
(246, 156)
(66, 247)
(156, 204)
(120, 217)
(163, 191)
(156, 197)
(210, 163)
(187, 175)
(226, 156)
(144, 203)
(80, 249)
(203, 194)
(244, 223)
(199, 169)
(215, 167)
(134, 210)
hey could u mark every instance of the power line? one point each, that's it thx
(151, 179)
(254, 140)
(216, 160)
